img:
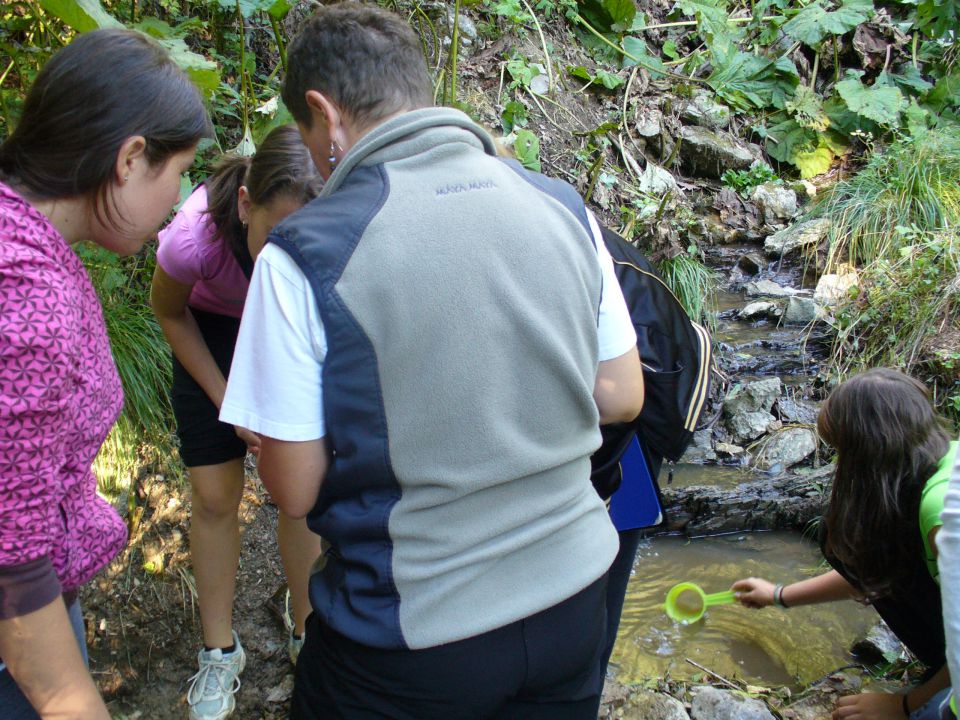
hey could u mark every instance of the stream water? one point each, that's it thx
(763, 647)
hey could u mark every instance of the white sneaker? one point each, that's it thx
(211, 692)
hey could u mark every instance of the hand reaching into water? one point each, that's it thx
(249, 437)
(869, 706)
(754, 592)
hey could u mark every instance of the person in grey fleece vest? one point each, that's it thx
(427, 351)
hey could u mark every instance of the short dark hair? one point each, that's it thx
(103, 88)
(364, 58)
(281, 166)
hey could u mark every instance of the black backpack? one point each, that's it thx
(677, 360)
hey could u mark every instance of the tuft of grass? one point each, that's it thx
(914, 183)
(142, 434)
(694, 284)
(906, 314)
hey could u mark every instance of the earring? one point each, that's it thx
(333, 157)
(126, 178)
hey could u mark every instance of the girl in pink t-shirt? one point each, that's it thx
(203, 265)
(107, 129)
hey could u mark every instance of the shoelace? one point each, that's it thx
(217, 669)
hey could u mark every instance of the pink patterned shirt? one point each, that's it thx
(59, 396)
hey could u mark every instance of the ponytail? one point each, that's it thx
(223, 189)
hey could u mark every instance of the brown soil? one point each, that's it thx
(143, 626)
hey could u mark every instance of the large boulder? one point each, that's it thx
(700, 450)
(710, 703)
(757, 310)
(792, 238)
(705, 153)
(654, 180)
(787, 447)
(776, 202)
(751, 424)
(756, 395)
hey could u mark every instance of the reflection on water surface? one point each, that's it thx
(769, 646)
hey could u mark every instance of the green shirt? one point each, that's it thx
(931, 505)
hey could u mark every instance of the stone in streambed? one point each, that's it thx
(711, 703)
(787, 447)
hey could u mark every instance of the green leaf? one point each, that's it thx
(711, 17)
(202, 71)
(527, 149)
(609, 80)
(280, 8)
(81, 15)
(945, 93)
(878, 102)
(621, 13)
(787, 138)
(514, 115)
(807, 109)
(155, 28)
(749, 82)
(247, 7)
(936, 18)
(910, 78)
(813, 163)
(638, 49)
(670, 50)
(579, 71)
(812, 24)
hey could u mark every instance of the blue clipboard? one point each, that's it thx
(634, 504)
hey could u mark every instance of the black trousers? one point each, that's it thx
(544, 667)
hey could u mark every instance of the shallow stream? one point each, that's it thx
(762, 647)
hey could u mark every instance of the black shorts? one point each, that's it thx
(204, 440)
(544, 667)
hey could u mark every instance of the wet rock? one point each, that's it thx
(700, 449)
(750, 425)
(757, 395)
(751, 263)
(768, 288)
(880, 645)
(834, 288)
(705, 153)
(787, 447)
(757, 310)
(797, 236)
(776, 202)
(711, 703)
(654, 180)
(797, 411)
(820, 701)
(788, 501)
(648, 705)
(706, 112)
(801, 311)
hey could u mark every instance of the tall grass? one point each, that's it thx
(912, 184)
(143, 432)
(694, 284)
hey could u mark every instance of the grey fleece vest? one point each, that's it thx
(459, 295)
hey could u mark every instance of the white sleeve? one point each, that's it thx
(615, 333)
(948, 562)
(275, 386)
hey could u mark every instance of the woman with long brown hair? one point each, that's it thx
(893, 463)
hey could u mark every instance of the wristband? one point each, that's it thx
(778, 597)
(905, 705)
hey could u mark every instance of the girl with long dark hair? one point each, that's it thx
(203, 264)
(893, 463)
(107, 129)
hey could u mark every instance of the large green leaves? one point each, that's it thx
(749, 82)
(711, 17)
(81, 15)
(879, 102)
(276, 8)
(609, 15)
(815, 22)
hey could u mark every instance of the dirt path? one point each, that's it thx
(143, 627)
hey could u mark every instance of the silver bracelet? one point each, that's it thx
(778, 597)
